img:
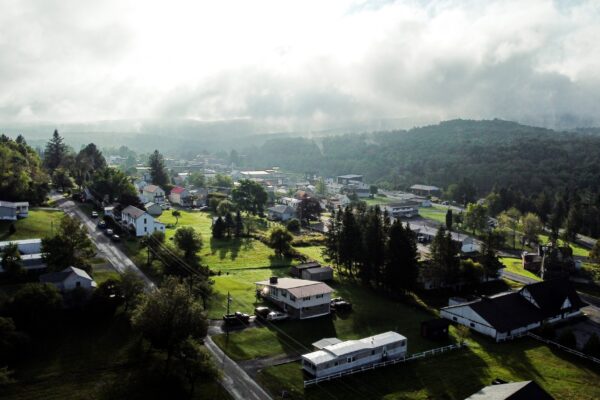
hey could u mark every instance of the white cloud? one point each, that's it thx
(309, 64)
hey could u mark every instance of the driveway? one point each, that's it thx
(106, 248)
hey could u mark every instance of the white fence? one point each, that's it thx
(567, 349)
(415, 356)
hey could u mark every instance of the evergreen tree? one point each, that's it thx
(373, 254)
(332, 238)
(229, 224)
(55, 152)
(489, 259)
(444, 265)
(158, 172)
(218, 228)
(449, 219)
(401, 265)
(349, 241)
(239, 224)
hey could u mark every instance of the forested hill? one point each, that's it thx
(487, 153)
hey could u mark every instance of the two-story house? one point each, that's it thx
(154, 194)
(180, 196)
(299, 298)
(140, 221)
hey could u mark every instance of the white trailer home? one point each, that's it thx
(506, 315)
(337, 356)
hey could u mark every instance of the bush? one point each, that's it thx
(567, 338)
(12, 229)
(293, 225)
(592, 347)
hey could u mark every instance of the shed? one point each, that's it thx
(317, 274)
(296, 270)
(436, 329)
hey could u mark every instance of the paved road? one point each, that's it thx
(235, 380)
(106, 248)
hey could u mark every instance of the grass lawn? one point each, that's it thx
(436, 213)
(454, 375)
(515, 265)
(372, 314)
(313, 252)
(101, 274)
(577, 249)
(38, 224)
(378, 200)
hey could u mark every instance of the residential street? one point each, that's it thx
(235, 380)
(106, 248)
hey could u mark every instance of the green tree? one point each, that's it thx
(12, 264)
(218, 228)
(531, 227)
(449, 219)
(321, 187)
(169, 316)
(189, 241)
(489, 258)
(61, 179)
(158, 173)
(55, 153)
(471, 272)
(509, 220)
(572, 225)
(71, 246)
(401, 262)
(476, 218)
(280, 240)
(87, 161)
(113, 185)
(225, 207)
(176, 214)
(250, 196)
(309, 209)
(373, 190)
(35, 306)
(131, 287)
(197, 179)
(221, 181)
(444, 261)
(239, 224)
(196, 362)
(595, 252)
(293, 225)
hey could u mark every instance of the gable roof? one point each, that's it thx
(281, 208)
(512, 391)
(57, 277)
(299, 287)
(550, 295)
(177, 190)
(133, 212)
(507, 311)
(311, 264)
(151, 188)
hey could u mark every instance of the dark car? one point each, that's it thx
(338, 304)
(102, 224)
(236, 319)
(262, 312)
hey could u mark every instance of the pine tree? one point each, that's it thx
(449, 219)
(332, 238)
(229, 224)
(349, 241)
(55, 152)
(373, 254)
(239, 224)
(158, 173)
(218, 228)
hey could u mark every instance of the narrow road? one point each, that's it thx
(235, 380)
(106, 248)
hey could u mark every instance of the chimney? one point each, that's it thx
(273, 280)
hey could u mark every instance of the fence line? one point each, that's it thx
(415, 356)
(567, 349)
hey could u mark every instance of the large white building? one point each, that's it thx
(334, 355)
(140, 221)
(69, 279)
(31, 253)
(514, 313)
(299, 298)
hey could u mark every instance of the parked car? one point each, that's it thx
(109, 232)
(237, 318)
(102, 224)
(115, 238)
(339, 304)
(94, 214)
(276, 316)
(165, 206)
(262, 312)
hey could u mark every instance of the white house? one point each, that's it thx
(154, 194)
(298, 297)
(69, 279)
(31, 253)
(406, 209)
(140, 221)
(153, 209)
(334, 355)
(10, 211)
(281, 212)
(180, 196)
(514, 313)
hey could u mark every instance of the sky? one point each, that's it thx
(300, 64)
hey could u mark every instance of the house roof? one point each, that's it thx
(317, 270)
(149, 204)
(551, 294)
(514, 391)
(340, 349)
(319, 344)
(281, 208)
(312, 264)
(350, 176)
(299, 287)
(177, 190)
(57, 277)
(425, 187)
(7, 204)
(133, 212)
(151, 188)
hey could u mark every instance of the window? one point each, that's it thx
(372, 352)
(336, 364)
(145, 221)
(319, 296)
(283, 293)
(145, 229)
(454, 319)
(306, 298)
(292, 297)
(472, 325)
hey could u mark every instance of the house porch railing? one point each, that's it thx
(415, 356)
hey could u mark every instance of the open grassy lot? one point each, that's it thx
(453, 375)
(378, 200)
(515, 265)
(38, 224)
(313, 252)
(436, 213)
(372, 314)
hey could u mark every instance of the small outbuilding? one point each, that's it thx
(69, 279)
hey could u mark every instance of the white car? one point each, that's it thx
(94, 214)
(276, 316)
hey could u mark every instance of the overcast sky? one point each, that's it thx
(304, 63)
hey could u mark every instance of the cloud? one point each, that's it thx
(304, 65)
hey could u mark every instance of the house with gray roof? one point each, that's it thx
(69, 279)
(140, 222)
(281, 212)
(300, 298)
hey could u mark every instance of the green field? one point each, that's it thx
(515, 265)
(454, 375)
(313, 252)
(577, 249)
(378, 200)
(38, 224)
(436, 213)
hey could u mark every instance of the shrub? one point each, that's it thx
(293, 225)
(592, 347)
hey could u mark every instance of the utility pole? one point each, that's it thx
(228, 302)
